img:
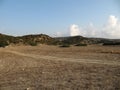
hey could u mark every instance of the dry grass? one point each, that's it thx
(53, 68)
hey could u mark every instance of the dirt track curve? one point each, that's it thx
(62, 59)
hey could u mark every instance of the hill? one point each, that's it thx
(25, 40)
(85, 40)
(33, 40)
(36, 39)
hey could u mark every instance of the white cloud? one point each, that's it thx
(112, 21)
(109, 30)
(112, 28)
(74, 30)
(91, 31)
(58, 34)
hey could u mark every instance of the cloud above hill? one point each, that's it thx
(111, 29)
(74, 30)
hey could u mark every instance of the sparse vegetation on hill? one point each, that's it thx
(34, 40)
(112, 43)
(84, 41)
(72, 40)
(40, 38)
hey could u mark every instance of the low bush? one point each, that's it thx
(81, 44)
(3, 44)
(65, 45)
(111, 43)
(32, 43)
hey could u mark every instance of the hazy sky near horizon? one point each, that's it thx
(60, 17)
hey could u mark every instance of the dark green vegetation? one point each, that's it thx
(81, 44)
(112, 43)
(34, 40)
(65, 45)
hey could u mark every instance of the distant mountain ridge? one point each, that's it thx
(86, 40)
(35, 39)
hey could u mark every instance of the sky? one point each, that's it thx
(90, 18)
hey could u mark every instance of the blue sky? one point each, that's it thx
(19, 17)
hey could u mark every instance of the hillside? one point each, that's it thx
(37, 39)
(88, 41)
(25, 40)
(33, 40)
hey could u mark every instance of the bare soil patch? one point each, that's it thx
(53, 68)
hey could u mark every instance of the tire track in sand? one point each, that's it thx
(92, 61)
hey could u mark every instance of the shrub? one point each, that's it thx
(32, 43)
(81, 44)
(112, 43)
(3, 44)
(65, 45)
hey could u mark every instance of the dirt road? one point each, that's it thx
(63, 59)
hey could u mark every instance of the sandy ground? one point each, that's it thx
(45, 67)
